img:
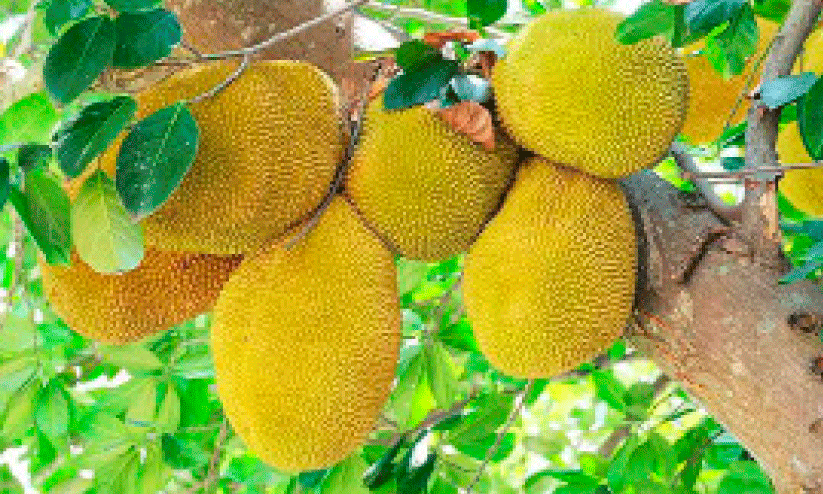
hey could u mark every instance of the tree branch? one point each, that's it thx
(728, 212)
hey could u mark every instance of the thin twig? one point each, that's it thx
(741, 173)
(428, 16)
(501, 434)
(685, 162)
(251, 50)
(223, 85)
(741, 96)
(211, 473)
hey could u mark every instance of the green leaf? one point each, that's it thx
(143, 409)
(134, 357)
(153, 473)
(33, 156)
(381, 471)
(414, 88)
(44, 211)
(728, 49)
(168, 416)
(414, 55)
(183, 453)
(194, 365)
(744, 477)
(76, 485)
(417, 477)
(78, 57)
(441, 375)
(810, 119)
(573, 477)
(459, 336)
(785, 89)
(485, 12)
(409, 275)
(28, 120)
(312, 478)
(802, 272)
(19, 415)
(155, 157)
(346, 477)
(104, 234)
(5, 185)
(480, 449)
(52, 415)
(617, 470)
(132, 5)
(609, 389)
(15, 372)
(703, 15)
(60, 12)
(144, 37)
(546, 443)
(90, 133)
(649, 20)
(732, 163)
(249, 470)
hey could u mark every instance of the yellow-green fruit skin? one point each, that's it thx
(268, 148)
(424, 187)
(802, 187)
(568, 91)
(166, 289)
(305, 343)
(550, 282)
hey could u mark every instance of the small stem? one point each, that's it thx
(686, 163)
(223, 85)
(501, 434)
(427, 16)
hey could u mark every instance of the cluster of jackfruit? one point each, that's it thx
(305, 337)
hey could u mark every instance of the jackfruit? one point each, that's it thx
(305, 343)
(269, 146)
(212, 27)
(425, 188)
(802, 187)
(568, 91)
(550, 282)
(166, 289)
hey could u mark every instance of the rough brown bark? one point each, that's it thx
(714, 318)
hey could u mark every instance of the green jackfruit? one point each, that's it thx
(305, 343)
(550, 282)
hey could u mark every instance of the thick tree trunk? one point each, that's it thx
(714, 318)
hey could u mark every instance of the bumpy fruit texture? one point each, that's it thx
(550, 282)
(802, 187)
(425, 188)
(571, 93)
(269, 146)
(305, 343)
(166, 289)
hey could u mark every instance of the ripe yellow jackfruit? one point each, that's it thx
(424, 187)
(550, 282)
(568, 91)
(269, 146)
(305, 343)
(802, 187)
(166, 289)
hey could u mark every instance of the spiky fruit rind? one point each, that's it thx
(802, 187)
(568, 91)
(550, 282)
(305, 343)
(165, 289)
(269, 145)
(424, 187)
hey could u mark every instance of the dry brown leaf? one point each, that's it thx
(471, 119)
(439, 39)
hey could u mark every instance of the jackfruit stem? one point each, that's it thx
(251, 50)
(223, 85)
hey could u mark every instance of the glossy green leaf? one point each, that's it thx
(346, 477)
(168, 415)
(728, 50)
(651, 19)
(479, 450)
(574, 477)
(381, 471)
(33, 156)
(142, 410)
(19, 414)
(153, 472)
(609, 389)
(76, 485)
(91, 132)
(28, 120)
(410, 274)
(535, 7)
(785, 89)
(78, 57)
(132, 5)
(61, 12)
(486, 12)
(810, 119)
(52, 414)
(745, 476)
(144, 37)
(183, 453)
(732, 163)
(104, 234)
(155, 157)
(440, 370)
(616, 475)
(414, 55)
(417, 477)
(459, 336)
(133, 357)
(415, 88)
(44, 211)
(702, 15)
